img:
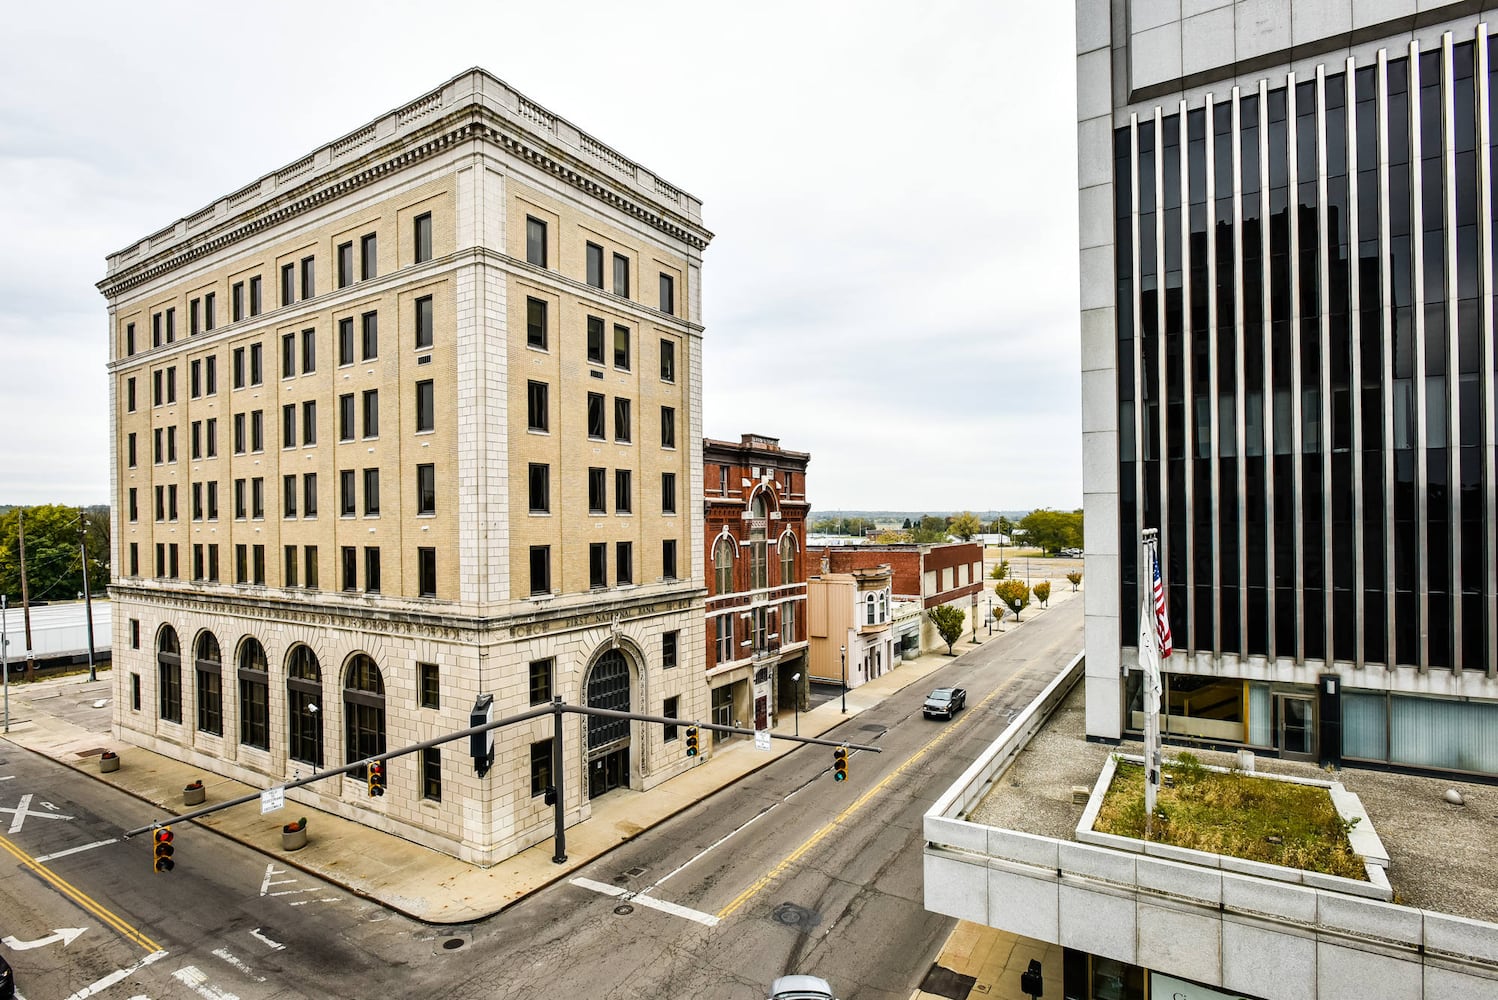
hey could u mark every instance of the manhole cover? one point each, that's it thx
(624, 909)
(452, 944)
(791, 915)
(944, 982)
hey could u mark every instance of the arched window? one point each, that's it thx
(169, 674)
(209, 669)
(723, 566)
(304, 706)
(787, 558)
(759, 570)
(254, 695)
(608, 687)
(363, 710)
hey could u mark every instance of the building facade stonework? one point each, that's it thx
(413, 420)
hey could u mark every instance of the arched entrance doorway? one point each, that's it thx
(608, 739)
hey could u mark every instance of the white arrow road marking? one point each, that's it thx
(64, 934)
(7, 777)
(676, 910)
(193, 978)
(274, 945)
(48, 805)
(20, 812)
(225, 954)
(268, 881)
(101, 985)
(43, 859)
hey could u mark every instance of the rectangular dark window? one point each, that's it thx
(258, 556)
(422, 237)
(288, 284)
(130, 395)
(668, 559)
(241, 504)
(348, 504)
(241, 564)
(371, 492)
(171, 384)
(236, 302)
(213, 564)
(156, 394)
(129, 339)
(426, 489)
(135, 559)
(536, 408)
(288, 426)
(309, 422)
(622, 423)
(668, 493)
(369, 256)
(212, 498)
(669, 642)
(288, 355)
(668, 427)
(288, 496)
(309, 351)
(309, 566)
(668, 294)
(540, 569)
(130, 449)
(597, 491)
(210, 313)
(596, 419)
(540, 680)
(257, 430)
(535, 241)
(426, 571)
(371, 413)
(372, 570)
(623, 492)
(350, 562)
(431, 774)
(345, 264)
(540, 767)
(171, 325)
(540, 488)
(426, 406)
(535, 323)
(668, 360)
(670, 710)
(624, 563)
(194, 317)
(210, 437)
(370, 342)
(197, 562)
(255, 295)
(598, 564)
(195, 378)
(210, 375)
(309, 281)
(289, 566)
(595, 340)
(257, 367)
(621, 347)
(424, 322)
(346, 341)
(257, 498)
(595, 265)
(428, 679)
(135, 507)
(156, 329)
(309, 494)
(621, 275)
(346, 417)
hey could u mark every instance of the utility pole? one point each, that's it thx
(5, 657)
(88, 597)
(25, 597)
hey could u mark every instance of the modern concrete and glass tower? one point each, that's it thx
(385, 441)
(1288, 346)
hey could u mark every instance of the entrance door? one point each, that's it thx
(608, 772)
(608, 739)
(722, 711)
(1297, 726)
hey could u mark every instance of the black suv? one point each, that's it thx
(945, 702)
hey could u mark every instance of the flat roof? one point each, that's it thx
(1441, 856)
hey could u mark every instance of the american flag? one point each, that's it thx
(1162, 620)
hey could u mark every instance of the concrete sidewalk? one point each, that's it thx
(58, 718)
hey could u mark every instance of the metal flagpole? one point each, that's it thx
(5, 657)
(1149, 663)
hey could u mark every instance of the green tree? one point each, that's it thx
(1000, 570)
(966, 525)
(1014, 593)
(54, 571)
(1075, 579)
(930, 530)
(907, 524)
(890, 536)
(1052, 530)
(948, 621)
(1042, 591)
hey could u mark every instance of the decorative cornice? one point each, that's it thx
(316, 193)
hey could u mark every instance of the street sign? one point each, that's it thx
(762, 739)
(272, 799)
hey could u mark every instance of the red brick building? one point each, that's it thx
(754, 495)
(949, 573)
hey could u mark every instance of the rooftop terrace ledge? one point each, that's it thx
(1227, 926)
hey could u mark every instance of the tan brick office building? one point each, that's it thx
(412, 420)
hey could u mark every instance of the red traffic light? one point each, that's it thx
(164, 835)
(376, 779)
(162, 851)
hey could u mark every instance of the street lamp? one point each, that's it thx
(842, 654)
(88, 598)
(796, 703)
(990, 616)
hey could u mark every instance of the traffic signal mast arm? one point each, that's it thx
(555, 708)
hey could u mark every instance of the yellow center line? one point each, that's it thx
(79, 897)
(858, 803)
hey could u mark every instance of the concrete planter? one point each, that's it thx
(294, 836)
(194, 794)
(109, 761)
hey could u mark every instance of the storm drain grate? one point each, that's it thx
(943, 982)
(634, 872)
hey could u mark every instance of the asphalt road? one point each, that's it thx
(787, 871)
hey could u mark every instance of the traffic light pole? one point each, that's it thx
(558, 799)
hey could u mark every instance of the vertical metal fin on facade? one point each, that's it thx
(1324, 377)
(1386, 293)
(1213, 444)
(1355, 374)
(1188, 355)
(1141, 424)
(1485, 279)
(1417, 262)
(1266, 331)
(1240, 381)
(1297, 430)
(1453, 361)
(1162, 389)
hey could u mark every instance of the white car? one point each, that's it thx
(800, 988)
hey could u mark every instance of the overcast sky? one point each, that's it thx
(892, 286)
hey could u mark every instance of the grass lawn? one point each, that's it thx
(1258, 819)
